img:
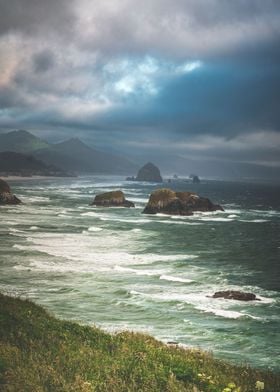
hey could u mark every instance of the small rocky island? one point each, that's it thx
(237, 295)
(169, 202)
(148, 173)
(195, 179)
(6, 196)
(112, 199)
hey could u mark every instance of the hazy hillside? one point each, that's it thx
(14, 163)
(70, 155)
(21, 141)
(75, 155)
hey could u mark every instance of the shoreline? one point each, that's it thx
(16, 178)
(74, 357)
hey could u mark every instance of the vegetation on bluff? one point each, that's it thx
(41, 353)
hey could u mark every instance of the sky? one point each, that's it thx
(189, 79)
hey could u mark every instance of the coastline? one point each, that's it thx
(19, 178)
(41, 352)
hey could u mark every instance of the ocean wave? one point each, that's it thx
(175, 279)
(232, 314)
(138, 272)
(254, 220)
(214, 219)
(200, 302)
(94, 228)
(20, 247)
(90, 213)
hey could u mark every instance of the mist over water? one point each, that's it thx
(120, 269)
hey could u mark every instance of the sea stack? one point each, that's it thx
(150, 173)
(6, 196)
(195, 179)
(166, 201)
(112, 199)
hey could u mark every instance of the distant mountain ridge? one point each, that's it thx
(18, 164)
(21, 141)
(70, 155)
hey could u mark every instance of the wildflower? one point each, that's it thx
(259, 385)
(231, 385)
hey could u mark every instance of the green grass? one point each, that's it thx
(41, 353)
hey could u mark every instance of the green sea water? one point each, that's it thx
(119, 269)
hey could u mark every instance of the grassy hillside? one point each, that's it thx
(41, 353)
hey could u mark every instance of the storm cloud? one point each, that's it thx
(192, 77)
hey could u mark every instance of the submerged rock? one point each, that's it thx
(237, 295)
(112, 199)
(6, 196)
(149, 172)
(169, 202)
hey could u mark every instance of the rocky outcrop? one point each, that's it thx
(195, 179)
(149, 172)
(169, 202)
(6, 196)
(237, 295)
(112, 199)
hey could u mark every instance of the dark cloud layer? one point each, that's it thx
(192, 76)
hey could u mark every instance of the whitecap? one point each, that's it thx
(20, 247)
(136, 230)
(90, 213)
(232, 314)
(254, 220)
(214, 219)
(138, 272)
(175, 279)
(94, 228)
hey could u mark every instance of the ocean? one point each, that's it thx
(120, 269)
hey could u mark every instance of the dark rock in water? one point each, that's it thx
(149, 172)
(237, 295)
(6, 196)
(196, 180)
(169, 202)
(130, 178)
(112, 199)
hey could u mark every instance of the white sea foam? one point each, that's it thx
(175, 279)
(180, 222)
(13, 230)
(200, 301)
(20, 247)
(137, 199)
(124, 220)
(232, 314)
(90, 213)
(33, 228)
(94, 228)
(254, 220)
(216, 219)
(136, 230)
(138, 271)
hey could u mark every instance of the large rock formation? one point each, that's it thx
(237, 295)
(6, 196)
(169, 202)
(112, 199)
(149, 172)
(195, 179)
